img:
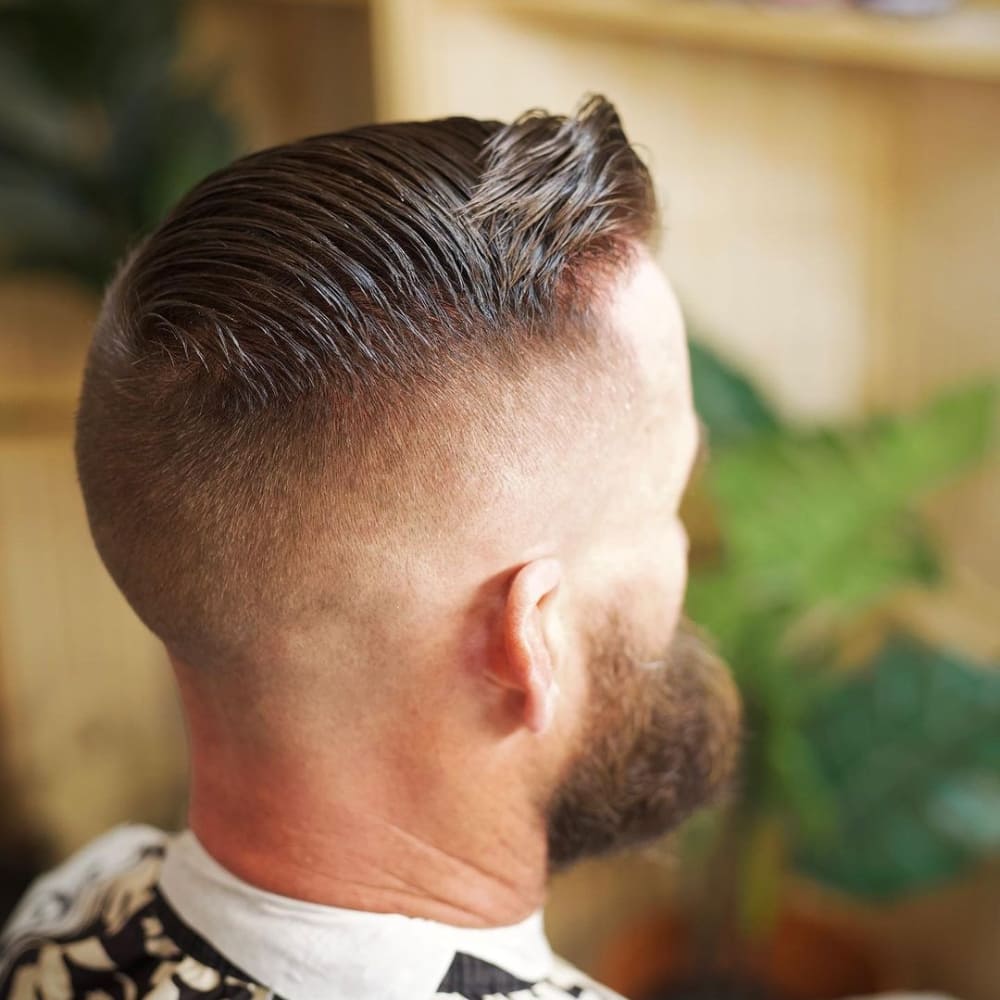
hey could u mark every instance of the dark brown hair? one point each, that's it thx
(270, 354)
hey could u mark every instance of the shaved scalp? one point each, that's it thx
(328, 344)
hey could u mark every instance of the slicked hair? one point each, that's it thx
(266, 359)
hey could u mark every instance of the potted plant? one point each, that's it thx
(99, 135)
(875, 775)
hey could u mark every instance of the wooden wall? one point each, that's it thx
(90, 734)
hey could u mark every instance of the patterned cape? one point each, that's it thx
(99, 931)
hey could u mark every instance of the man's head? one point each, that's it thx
(389, 428)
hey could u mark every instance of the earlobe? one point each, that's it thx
(528, 654)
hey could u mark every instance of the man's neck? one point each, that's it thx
(460, 865)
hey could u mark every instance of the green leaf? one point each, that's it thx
(98, 139)
(825, 524)
(922, 451)
(158, 169)
(910, 752)
(967, 809)
(727, 402)
(48, 226)
(816, 528)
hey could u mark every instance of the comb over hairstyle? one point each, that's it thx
(321, 336)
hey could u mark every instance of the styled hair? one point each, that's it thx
(266, 360)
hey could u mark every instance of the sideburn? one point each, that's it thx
(656, 745)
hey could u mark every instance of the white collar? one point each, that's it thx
(306, 951)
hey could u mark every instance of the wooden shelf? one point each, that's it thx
(962, 43)
(347, 4)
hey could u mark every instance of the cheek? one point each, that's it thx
(665, 575)
(676, 574)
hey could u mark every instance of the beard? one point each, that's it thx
(657, 743)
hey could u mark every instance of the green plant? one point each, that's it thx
(880, 780)
(910, 751)
(98, 136)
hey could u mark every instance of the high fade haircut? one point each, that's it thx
(319, 332)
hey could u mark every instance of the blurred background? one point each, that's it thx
(830, 182)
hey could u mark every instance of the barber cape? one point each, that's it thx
(140, 913)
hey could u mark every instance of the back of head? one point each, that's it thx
(329, 347)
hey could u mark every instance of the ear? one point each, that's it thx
(528, 665)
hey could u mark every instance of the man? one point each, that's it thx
(384, 434)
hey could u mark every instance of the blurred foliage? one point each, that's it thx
(98, 137)
(910, 751)
(877, 780)
(729, 404)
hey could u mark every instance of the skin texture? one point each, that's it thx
(406, 764)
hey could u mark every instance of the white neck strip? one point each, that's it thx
(306, 951)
